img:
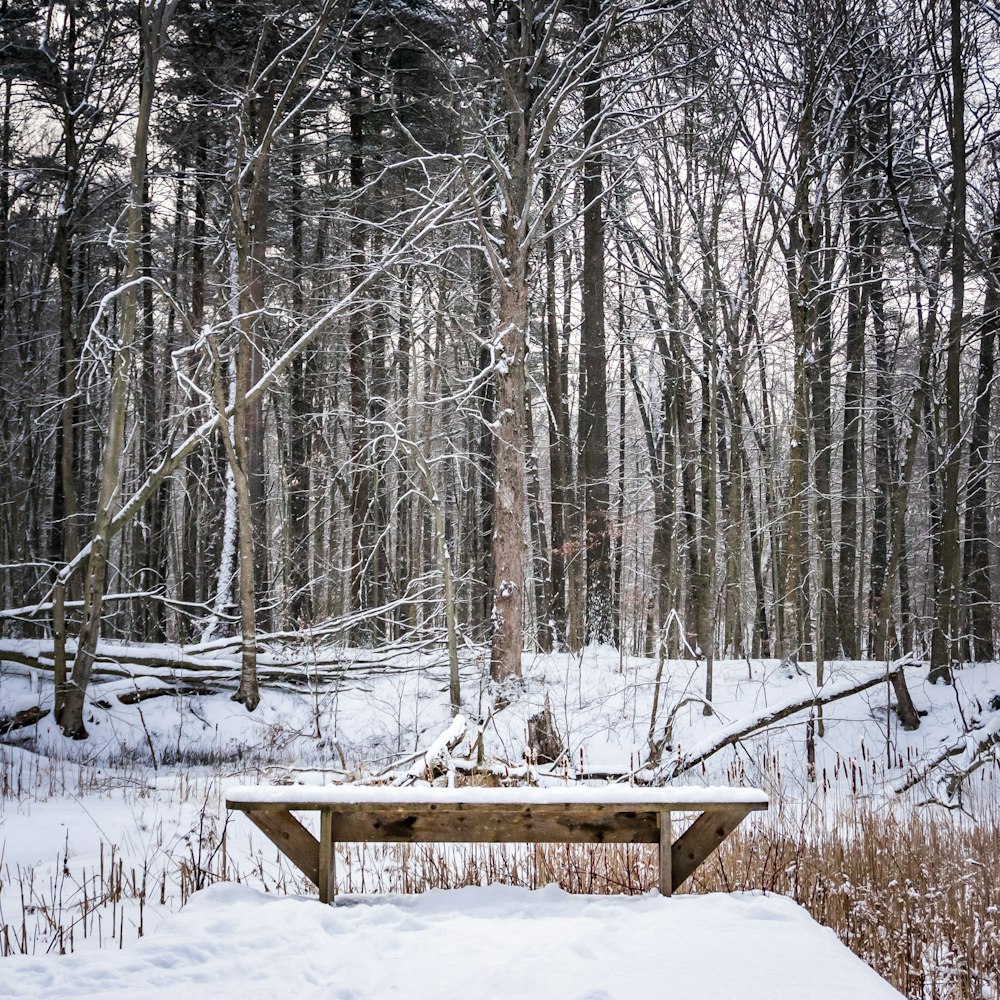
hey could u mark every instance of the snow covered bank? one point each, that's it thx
(366, 722)
(102, 842)
(492, 942)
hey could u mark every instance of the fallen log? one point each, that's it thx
(144, 694)
(436, 755)
(742, 728)
(40, 654)
(21, 720)
(958, 761)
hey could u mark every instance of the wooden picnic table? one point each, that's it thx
(609, 814)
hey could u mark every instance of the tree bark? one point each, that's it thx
(593, 422)
(361, 473)
(977, 564)
(558, 433)
(153, 22)
(944, 640)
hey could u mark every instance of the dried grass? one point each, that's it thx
(917, 899)
(914, 893)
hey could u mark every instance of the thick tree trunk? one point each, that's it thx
(511, 384)
(593, 423)
(508, 516)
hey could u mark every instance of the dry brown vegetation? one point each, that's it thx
(917, 899)
(913, 892)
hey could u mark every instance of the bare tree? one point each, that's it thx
(153, 22)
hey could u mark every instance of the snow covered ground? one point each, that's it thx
(235, 943)
(102, 843)
(370, 718)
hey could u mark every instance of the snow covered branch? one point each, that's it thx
(741, 728)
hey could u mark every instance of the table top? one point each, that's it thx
(387, 796)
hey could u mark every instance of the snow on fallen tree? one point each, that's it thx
(958, 761)
(169, 662)
(748, 725)
(435, 754)
(21, 720)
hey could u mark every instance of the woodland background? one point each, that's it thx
(528, 324)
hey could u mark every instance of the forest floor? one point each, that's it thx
(105, 841)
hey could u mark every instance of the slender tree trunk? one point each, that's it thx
(558, 433)
(711, 530)
(978, 586)
(619, 562)
(540, 546)
(377, 403)
(793, 594)
(487, 441)
(733, 513)
(235, 444)
(404, 569)
(944, 640)
(5, 247)
(361, 473)
(192, 558)
(153, 22)
(883, 644)
(257, 220)
(857, 306)
(300, 406)
(65, 512)
(822, 426)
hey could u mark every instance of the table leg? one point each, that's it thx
(703, 836)
(291, 838)
(327, 866)
(666, 855)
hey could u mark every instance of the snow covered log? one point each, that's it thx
(741, 728)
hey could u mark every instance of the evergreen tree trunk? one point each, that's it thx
(857, 307)
(944, 640)
(558, 434)
(593, 425)
(513, 317)
(978, 586)
(361, 473)
(300, 444)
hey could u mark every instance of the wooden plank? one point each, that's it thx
(538, 825)
(457, 822)
(488, 808)
(703, 836)
(666, 884)
(327, 870)
(291, 838)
